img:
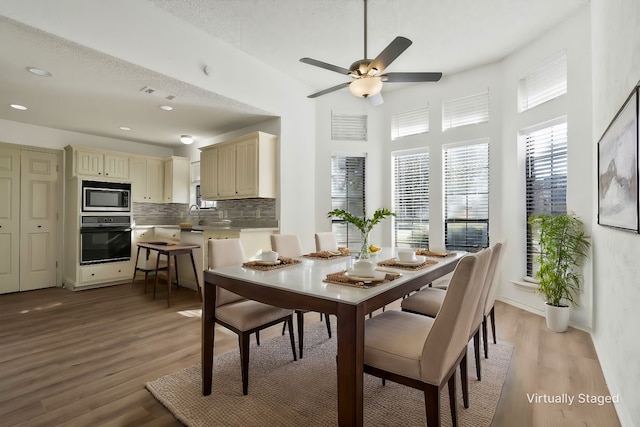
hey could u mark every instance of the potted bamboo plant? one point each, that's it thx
(563, 247)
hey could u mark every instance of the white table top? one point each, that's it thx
(307, 277)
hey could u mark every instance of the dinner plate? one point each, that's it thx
(419, 260)
(377, 275)
(262, 262)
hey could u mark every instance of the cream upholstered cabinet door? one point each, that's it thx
(38, 234)
(89, 163)
(227, 171)
(116, 166)
(9, 220)
(147, 180)
(247, 168)
(209, 173)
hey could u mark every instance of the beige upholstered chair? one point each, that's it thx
(326, 241)
(429, 300)
(288, 245)
(422, 352)
(490, 302)
(241, 315)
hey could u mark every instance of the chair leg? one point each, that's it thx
(452, 399)
(291, 337)
(476, 352)
(464, 380)
(492, 313)
(284, 327)
(432, 403)
(326, 317)
(300, 319)
(485, 340)
(244, 361)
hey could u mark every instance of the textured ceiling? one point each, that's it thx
(95, 93)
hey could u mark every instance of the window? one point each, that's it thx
(195, 187)
(411, 200)
(465, 111)
(348, 127)
(546, 82)
(466, 196)
(546, 176)
(347, 193)
(410, 123)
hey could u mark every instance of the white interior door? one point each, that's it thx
(38, 244)
(9, 220)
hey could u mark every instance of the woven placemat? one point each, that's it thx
(325, 255)
(427, 252)
(340, 278)
(284, 262)
(393, 262)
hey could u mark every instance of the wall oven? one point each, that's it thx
(105, 239)
(100, 196)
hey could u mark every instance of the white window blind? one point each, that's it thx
(348, 127)
(410, 123)
(466, 196)
(195, 187)
(411, 199)
(347, 193)
(546, 82)
(546, 177)
(195, 172)
(465, 111)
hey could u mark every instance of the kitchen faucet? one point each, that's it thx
(198, 209)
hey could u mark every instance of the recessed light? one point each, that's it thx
(125, 128)
(38, 72)
(18, 107)
(166, 107)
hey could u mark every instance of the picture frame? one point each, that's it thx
(618, 148)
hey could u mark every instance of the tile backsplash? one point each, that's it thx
(250, 213)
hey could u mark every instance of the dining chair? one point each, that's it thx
(428, 302)
(288, 245)
(326, 241)
(423, 352)
(489, 305)
(238, 314)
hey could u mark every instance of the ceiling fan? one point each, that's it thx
(367, 74)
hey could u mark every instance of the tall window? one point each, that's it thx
(411, 199)
(546, 176)
(465, 111)
(545, 82)
(347, 193)
(466, 196)
(409, 123)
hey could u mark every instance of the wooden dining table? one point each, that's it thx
(303, 286)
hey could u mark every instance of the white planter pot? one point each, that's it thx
(557, 317)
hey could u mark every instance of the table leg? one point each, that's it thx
(155, 283)
(175, 263)
(195, 273)
(135, 267)
(208, 334)
(350, 364)
(168, 281)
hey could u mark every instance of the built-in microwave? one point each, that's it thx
(100, 196)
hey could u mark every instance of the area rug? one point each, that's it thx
(287, 393)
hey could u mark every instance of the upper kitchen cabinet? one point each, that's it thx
(244, 167)
(147, 179)
(177, 180)
(97, 163)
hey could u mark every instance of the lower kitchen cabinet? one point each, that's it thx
(109, 272)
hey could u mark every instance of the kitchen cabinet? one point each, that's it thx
(177, 180)
(86, 162)
(147, 179)
(111, 272)
(244, 167)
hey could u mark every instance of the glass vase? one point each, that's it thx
(364, 250)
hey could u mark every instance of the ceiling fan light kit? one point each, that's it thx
(366, 73)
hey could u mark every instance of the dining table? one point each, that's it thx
(304, 286)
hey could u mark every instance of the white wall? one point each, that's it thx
(615, 40)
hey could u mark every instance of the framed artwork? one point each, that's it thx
(618, 169)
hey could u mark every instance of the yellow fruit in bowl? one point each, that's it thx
(373, 248)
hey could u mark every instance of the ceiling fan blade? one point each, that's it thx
(390, 53)
(331, 89)
(325, 65)
(410, 77)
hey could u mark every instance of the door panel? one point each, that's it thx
(39, 191)
(9, 220)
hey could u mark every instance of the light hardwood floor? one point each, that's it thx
(83, 358)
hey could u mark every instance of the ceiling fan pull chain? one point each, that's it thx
(365, 30)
